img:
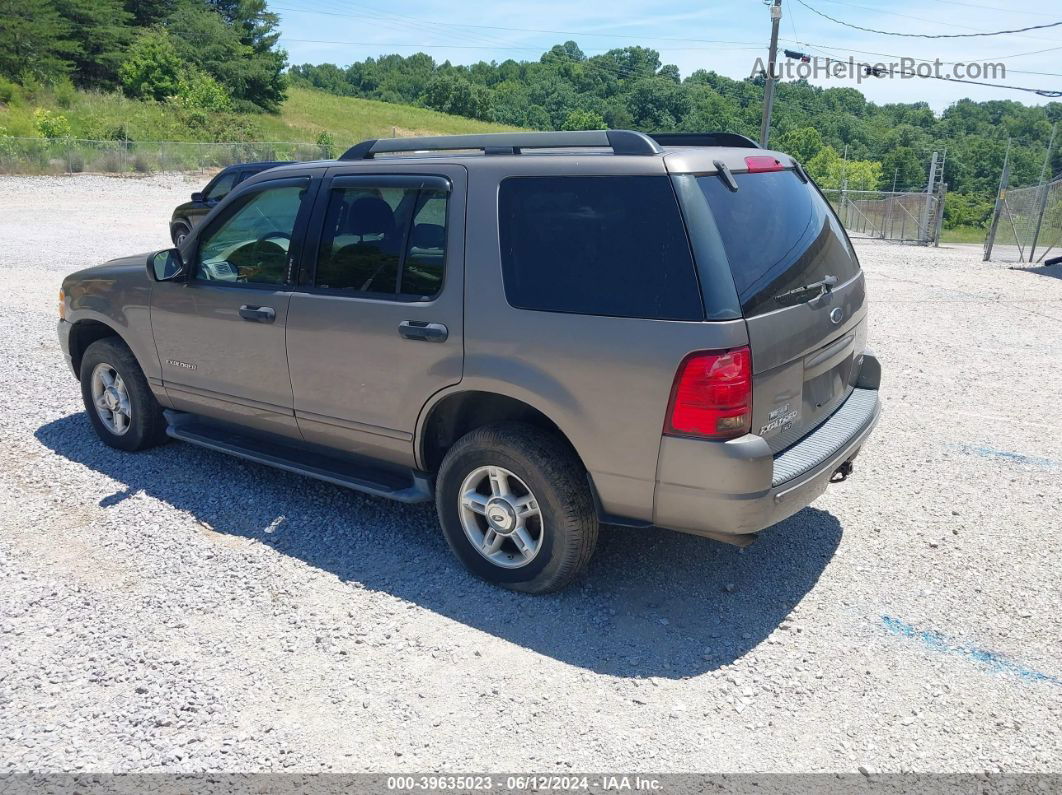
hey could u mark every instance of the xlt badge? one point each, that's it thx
(781, 417)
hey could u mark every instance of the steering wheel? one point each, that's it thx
(271, 236)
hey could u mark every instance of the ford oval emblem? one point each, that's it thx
(837, 315)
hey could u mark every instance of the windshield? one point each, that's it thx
(779, 235)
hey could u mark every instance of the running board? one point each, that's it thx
(350, 474)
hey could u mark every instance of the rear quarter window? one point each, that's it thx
(612, 246)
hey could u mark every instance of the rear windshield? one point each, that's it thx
(779, 234)
(604, 245)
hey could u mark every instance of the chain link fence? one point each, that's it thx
(1029, 225)
(76, 155)
(907, 217)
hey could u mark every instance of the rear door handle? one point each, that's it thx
(423, 330)
(258, 314)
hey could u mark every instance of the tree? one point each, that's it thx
(658, 104)
(831, 172)
(457, 95)
(196, 90)
(152, 68)
(100, 32)
(584, 120)
(146, 13)
(802, 143)
(235, 53)
(34, 40)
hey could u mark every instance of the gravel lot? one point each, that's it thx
(180, 610)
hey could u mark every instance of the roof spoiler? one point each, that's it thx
(621, 142)
(704, 139)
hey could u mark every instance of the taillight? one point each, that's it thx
(712, 395)
(62, 304)
(759, 163)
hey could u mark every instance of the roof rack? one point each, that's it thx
(704, 139)
(622, 142)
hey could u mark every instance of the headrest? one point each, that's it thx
(428, 236)
(370, 215)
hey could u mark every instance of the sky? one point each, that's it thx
(724, 37)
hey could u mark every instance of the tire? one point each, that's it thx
(540, 470)
(141, 424)
(178, 232)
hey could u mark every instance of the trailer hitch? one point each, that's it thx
(842, 472)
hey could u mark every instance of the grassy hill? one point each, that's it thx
(304, 115)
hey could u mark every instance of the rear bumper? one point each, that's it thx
(739, 487)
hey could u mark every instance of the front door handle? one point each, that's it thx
(423, 330)
(258, 314)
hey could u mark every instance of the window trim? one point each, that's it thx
(238, 202)
(307, 274)
(682, 224)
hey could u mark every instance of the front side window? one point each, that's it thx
(220, 189)
(612, 246)
(251, 245)
(385, 241)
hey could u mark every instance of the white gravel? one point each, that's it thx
(180, 610)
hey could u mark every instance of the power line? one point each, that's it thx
(1039, 91)
(996, 8)
(927, 35)
(535, 30)
(925, 60)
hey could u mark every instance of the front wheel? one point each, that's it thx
(515, 507)
(179, 233)
(119, 402)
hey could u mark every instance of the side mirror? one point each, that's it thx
(198, 196)
(165, 266)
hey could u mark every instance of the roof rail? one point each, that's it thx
(704, 139)
(622, 142)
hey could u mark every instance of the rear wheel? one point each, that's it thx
(515, 507)
(119, 402)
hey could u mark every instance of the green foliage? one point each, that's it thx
(327, 144)
(104, 44)
(232, 42)
(99, 32)
(832, 172)
(803, 143)
(452, 94)
(152, 68)
(196, 90)
(51, 125)
(9, 91)
(967, 210)
(34, 40)
(584, 120)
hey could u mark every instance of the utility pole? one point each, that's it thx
(1001, 194)
(1043, 192)
(768, 88)
(923, 228)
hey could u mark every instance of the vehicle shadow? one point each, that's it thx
(1054, 271)
(652, 603)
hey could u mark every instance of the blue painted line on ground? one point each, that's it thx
(1006, 455)
(993, 661)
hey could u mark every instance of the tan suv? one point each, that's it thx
(544, 332)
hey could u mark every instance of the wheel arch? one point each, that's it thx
(454, 414)
(87, 331)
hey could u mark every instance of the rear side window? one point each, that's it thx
(385, 242)
(779, 234)
(611, 246)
